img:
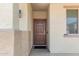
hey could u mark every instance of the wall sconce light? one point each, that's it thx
(20, 13)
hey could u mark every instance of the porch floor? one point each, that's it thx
(45, 52)
(40, 52)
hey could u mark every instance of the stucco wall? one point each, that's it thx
(57, 25)
(30, 26)
(6, 42)
(6, 16)
(23, 21)
(39, 14)
(15, 33)
(6, 29)
(25, 26)
(15, 16)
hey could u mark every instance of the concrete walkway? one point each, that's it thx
(45, 52)
(40, 52)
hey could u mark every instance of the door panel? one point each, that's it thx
(39, 32)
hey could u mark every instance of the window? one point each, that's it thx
(72, 21)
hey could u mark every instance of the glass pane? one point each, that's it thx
(72, 18)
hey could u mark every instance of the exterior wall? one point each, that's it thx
(17, 32)
(39, 14)
(6, 16)
(6, 42)
(30, 27)
(9, 28)
(57, 24)
(6, 30)
(23, 24)
(25, 30)
(15, 16)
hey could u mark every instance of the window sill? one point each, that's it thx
(71, 35)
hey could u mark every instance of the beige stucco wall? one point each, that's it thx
(15, 41)
(57, 25)
(39, 14)
(24, 18)
(6, 29)
(6, 42)
(25, 30)
(6, 16)
(30, 26)
(15, 16)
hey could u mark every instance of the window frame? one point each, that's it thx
(67, 23)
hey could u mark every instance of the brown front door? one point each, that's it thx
(39, 32)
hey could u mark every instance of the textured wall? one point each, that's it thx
(6, 16)
(6, 29)
(57, 28)
(15, 32)
(6, 42)
(39, 14)
(23, 36)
